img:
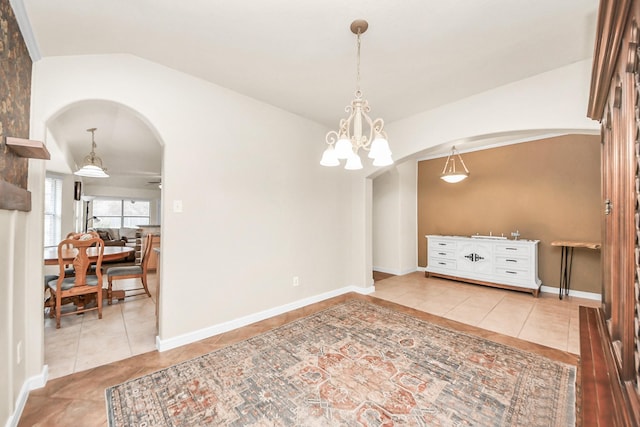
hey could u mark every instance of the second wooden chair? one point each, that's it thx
(131, 272)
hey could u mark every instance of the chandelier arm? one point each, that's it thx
(378, 125)
(366, 143)
(345, 124)
(462, 161)
(444, 170)
(332, 137)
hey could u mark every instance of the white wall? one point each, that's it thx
(258, 207)
(394, 216)
(386, 211)
(408, 218)
(552, 101)
(21, 287)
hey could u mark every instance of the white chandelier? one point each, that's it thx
(92, 165)
(350, 137)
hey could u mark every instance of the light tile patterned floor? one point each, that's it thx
(128, 328)
(545, 320)
(78, 398)
(84, 341)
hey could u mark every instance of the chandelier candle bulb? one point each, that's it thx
(351, 135)
(353, 162)
(343, 149)
(329, 157)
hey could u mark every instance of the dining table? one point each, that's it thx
(111, 253)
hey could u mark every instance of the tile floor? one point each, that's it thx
(545, 320)
(78, 398)
(83, 341)
(128, 328)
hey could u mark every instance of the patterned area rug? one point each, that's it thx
(354, 364)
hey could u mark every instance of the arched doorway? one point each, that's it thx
(132, 153)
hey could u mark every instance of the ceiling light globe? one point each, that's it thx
(91, 171)
(344, 149)
(329, 157)
(455, 177)
(379, 147)
(353, 162)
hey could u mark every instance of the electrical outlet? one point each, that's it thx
(19, 353)
(296, 281)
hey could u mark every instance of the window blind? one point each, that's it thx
(52, 211)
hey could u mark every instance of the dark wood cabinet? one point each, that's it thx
(615, 102)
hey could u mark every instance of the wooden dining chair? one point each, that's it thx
(131, 272)
(82, 284)
(83, 235)
(69, 271)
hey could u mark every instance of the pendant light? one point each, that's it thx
(92, 166)
(450, 173)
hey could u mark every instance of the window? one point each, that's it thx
(113, 213)
(52, 210)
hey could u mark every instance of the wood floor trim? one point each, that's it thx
(604, 401)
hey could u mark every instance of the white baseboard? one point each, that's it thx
(33, 383)
(168, 344)
(577, 294)
(395, 272)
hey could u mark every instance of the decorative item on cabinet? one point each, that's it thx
(492, 261)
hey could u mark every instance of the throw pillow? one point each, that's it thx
(104, 235)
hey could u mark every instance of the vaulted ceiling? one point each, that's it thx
(299, 55)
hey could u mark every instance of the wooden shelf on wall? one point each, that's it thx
(28, 148)
(13, 197)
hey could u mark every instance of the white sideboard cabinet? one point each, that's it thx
(485, 260)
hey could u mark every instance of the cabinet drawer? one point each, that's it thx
(505, 261)
(512, 249)
(442, 253)
(441, 244)
(512, 272)
(442, 263)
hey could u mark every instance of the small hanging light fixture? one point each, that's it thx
(450, 173)
(92, 166)
(345, 143)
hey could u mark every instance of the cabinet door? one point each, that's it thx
(474, 257)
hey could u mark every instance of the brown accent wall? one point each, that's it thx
(15, 94)
(548, 189)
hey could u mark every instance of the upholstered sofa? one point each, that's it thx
(123, 236)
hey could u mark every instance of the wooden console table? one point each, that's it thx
(566, 261)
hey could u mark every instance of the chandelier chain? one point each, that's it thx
(358, 92)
